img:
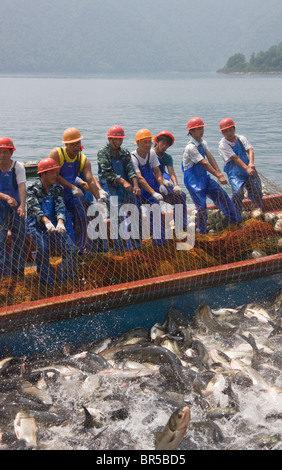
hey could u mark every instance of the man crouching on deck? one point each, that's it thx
(48, 223)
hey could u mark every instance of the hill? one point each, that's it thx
(132, 36)
(264, 62)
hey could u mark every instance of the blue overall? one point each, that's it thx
(69, 171)
(200, 186)
(239, 179)
(124, 197)
(13, 263)
(172, 198)
(46, 243)
(147, 198)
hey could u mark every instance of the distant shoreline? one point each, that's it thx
(249, 73)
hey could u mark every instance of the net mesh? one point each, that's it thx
(259, 235)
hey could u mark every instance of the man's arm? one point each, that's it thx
(91, 180)
(22, 193)
(214, 172)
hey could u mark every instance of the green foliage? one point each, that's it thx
(237, 63)
(269, 61)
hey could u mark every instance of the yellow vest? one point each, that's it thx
(63, 156)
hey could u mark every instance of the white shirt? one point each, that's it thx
(153, 161)
(226, 147)
(19, 171)
(191, 154)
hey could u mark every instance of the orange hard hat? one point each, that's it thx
(6, 143)
(194, 123)
(71, 135)
(166, 134)
(226, 123)
(116, 132)
(47, 164)
(143, 134)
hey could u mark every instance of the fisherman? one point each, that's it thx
(118, 179)
(238, 157)
(197, 163)
(74, 163)
(174, 195)
(146, 165)
(49, 224)
(12, 211)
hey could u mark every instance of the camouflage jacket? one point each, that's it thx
(35, 195)
(105, 168)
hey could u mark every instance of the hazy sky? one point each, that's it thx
(147, 35)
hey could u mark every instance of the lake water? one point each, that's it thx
(36, 110)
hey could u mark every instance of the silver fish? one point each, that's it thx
(4, 363)
(205, 318)
(175, 429)
(26, 428)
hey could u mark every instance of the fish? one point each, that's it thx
(65, 371)
(37, 392)
(267, 441)
(176, 378)
(205, 318)
(171, 344)
(157, 331)
(256, 359)
(258, 312)
(26, 429)
(218, 413)
(277, 304)
(200, 352)
(88, 362)
(93, 418)
(101, 346)
(49, 418)
(277, 327)
(175, 320)
(209, 427)
(4, 363)
(175, 429)
(155, 354)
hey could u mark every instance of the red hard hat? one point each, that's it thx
(226, 123)
(164, 133)
(116, 132)
(47, 164)
(6, 143)
(194, 123)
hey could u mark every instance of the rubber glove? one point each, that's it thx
(61, 227)
(158, 196)
(163, 190)
(167, 183)
(77, 192)
(50, 227)
(103, 195)
(177, 190)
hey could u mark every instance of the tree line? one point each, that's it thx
(268, 61)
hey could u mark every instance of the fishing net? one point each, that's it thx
(257, 239)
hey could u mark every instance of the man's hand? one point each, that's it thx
(77, 192)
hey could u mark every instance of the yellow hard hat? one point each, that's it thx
(143, 134)
(71, 135)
